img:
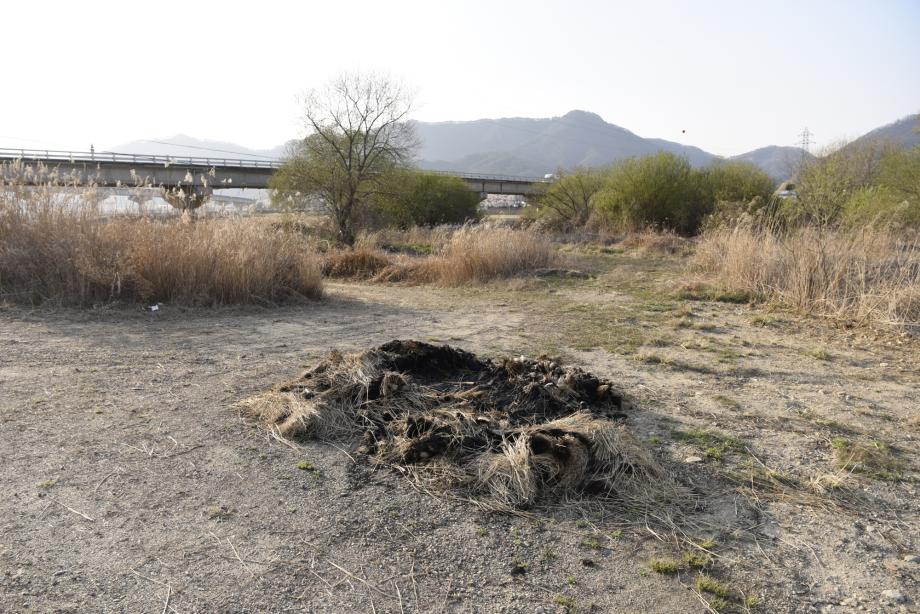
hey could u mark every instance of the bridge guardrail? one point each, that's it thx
(51, 155)
(101, 157)
(488, 177)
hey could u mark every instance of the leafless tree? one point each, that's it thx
(358, 131)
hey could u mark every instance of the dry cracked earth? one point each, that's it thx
(132, 484)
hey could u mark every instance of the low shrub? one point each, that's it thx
(660, 190)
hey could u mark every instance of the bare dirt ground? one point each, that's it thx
(131, 484)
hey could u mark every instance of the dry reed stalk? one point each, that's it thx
(57, 246)
(861, 276)
(482, 253)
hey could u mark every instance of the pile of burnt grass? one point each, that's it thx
(511, 432)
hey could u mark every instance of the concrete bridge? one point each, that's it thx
(196, 178)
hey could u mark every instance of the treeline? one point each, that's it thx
(871, 184)
(855, 185)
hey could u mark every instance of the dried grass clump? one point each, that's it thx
(471, 254)
(358, 263)
(650, 241)
(56, 246)
(511, 433)
(416, 240)
(861, 276)
(484, 253)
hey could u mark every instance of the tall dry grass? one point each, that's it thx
(652, 241)
(863, 276)
(55, 246)
(417, 239)
(483, 253)
(467, 254)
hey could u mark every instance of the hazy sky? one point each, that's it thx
(735, 75)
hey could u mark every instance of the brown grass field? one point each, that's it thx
(783, 412)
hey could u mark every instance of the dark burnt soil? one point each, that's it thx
(416, 402)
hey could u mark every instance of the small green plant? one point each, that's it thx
(707, 584)
(305, 465)
(218, 512)
(714, 445)
(571, 581)
(665, 565)
(616, 534)
(481, 532)
(47, 484)
(652, 359)
(702, 292)
(674, 363)
(549, 555)
(565, 601)
(591, 543)
(764, 320)
(873, 458)
(818, 353)
(696, 560)
(726, 401)
(706, 543)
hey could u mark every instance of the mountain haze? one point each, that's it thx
(537, 146)
(904, 133)
(777, 161)
(181, 145)
(534, 146)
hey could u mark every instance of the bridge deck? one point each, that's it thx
(113, 169)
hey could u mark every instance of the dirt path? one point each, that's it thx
(132, 485)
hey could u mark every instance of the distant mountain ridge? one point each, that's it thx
(537, 146)
(534, 146)
(181, 145)
(777, 161)
(902, 133)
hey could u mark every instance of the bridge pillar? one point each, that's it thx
(187, 198)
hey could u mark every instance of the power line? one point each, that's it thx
(238, 153)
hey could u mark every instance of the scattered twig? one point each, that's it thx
(77, 512)
(343, 451)
(239, 558)
(107, 476)
(168, 595)
(399, 594)
(364, 582)
(281, 439)
(168, 586)
(450, 582)
(185, 451)
(323, 580)
(414, 585)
